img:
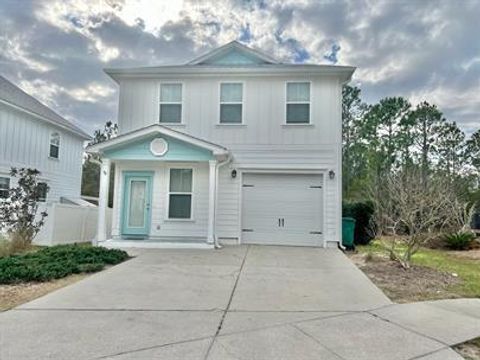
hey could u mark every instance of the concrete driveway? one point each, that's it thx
(236, 303)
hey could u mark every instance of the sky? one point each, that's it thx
(56, 50)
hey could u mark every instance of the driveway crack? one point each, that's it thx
(227, 308)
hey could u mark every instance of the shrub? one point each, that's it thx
(362, 212)
(459, 240)
(18, 212)
(56, 262)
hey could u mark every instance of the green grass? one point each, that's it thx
(468, 270)
(56, 262)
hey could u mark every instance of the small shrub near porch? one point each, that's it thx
(57, 262)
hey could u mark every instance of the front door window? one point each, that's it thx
(136, 214)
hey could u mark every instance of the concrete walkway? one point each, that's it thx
(237, 303)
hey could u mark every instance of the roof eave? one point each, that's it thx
(80, 133)
(155, 129)
(187, 70)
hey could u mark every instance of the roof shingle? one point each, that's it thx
(16, 96)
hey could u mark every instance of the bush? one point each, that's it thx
(56, 262)
(459, 240)
(362, 212)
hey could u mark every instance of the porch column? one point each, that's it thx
(211, 200)
(103, 201)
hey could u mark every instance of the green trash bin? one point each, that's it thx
(348, 231)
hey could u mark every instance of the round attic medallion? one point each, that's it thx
(158, 147)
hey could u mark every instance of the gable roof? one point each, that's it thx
(156, 129)
(232, 59)
(242, 55)
(12, 95)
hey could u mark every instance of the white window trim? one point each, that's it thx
(192, 207)
(59, 145)
(9, 184)
(181, 102)
(298, 102)
(220, 103)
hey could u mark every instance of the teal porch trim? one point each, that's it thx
(128, 176)
(177, 151)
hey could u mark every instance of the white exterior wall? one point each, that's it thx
(264, 110)
(25, 142)
(263, 141)
(195, 229)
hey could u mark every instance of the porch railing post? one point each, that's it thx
(103, 201)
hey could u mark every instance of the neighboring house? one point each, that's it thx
(34, 136)
(233, 145)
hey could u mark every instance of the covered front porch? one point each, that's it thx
(165, 189)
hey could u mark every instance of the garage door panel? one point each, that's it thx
(293, 198)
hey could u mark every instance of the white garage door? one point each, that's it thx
(281, 209)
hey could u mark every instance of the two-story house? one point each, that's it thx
(233, 145)
(34, 136)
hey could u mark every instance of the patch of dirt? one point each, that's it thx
(402, 286)
(14, 295)
(469, 350)
(468, 254)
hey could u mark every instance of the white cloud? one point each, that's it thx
(153, 13)
(13, 50)
(92, 93)
(420, 50)
(45, 91)
(83, 18)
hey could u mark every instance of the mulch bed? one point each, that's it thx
(469, 350)
(417, 284)
(14, 295)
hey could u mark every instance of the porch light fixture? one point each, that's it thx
(234, 173)
(331, 174)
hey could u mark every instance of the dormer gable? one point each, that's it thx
(234, 53)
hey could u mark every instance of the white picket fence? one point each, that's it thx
(68, 224)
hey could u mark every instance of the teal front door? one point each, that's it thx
(137, 193)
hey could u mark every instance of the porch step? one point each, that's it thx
(154, 244)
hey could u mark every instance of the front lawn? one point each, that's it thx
(436, 273)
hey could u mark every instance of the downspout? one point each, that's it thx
(216, 244)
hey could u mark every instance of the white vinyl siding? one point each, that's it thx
(25, 142)
(4, 187)
(171, 103)
(180, 194)
(298, 103)
(162, 227)
(231, 103)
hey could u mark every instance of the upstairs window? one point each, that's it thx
(42, 190)
(298, 103)
(180, 194)
(171, 103)
(231, 103)
(54, 145)
(4, 187)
